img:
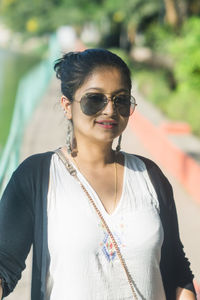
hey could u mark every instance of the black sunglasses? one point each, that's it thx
(92, 103)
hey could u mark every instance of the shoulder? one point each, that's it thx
(28, 180)
(35, 162)
(38, 158)
(160, 182)
(153, 169)
(141, 160)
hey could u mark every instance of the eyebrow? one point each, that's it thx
(102, 90)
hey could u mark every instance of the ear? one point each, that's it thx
(66, 105)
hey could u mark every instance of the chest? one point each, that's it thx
(135, 220)
(108, 186)
(69, 206)
(74, 227)
(78, 242)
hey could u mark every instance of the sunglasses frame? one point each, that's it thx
(111, 98)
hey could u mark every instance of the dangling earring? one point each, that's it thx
(70, 136)
(118, 148)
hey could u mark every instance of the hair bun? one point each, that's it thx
(62, 63)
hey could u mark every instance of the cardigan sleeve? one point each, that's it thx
(16, 229)
(183, 276)
(175, 267)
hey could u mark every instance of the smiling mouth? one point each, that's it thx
(107, 124)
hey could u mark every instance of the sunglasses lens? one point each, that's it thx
(92, 103)
(123, 104)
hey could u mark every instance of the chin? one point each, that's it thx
(107, 138)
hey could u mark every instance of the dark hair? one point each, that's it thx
(74, 67)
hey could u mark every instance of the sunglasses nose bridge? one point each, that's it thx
(111, 99)
(109, 105)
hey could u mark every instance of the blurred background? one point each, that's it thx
(158, 39)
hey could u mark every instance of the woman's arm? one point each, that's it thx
(181, 272)
(184, 294)
(175, 267)
(16, 232)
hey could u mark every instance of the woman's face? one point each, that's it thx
(107, 124)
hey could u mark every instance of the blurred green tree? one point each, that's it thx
(37, 17)
(186, 102)
(125, 19)
(118, 21)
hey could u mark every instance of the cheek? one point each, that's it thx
(77, 114)
(81, 121)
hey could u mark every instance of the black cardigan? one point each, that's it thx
(23, 222)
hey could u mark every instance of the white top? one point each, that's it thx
(83, 262)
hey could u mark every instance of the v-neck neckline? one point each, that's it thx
(85, 181)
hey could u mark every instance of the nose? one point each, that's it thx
(110, 107)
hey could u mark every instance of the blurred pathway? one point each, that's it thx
(46, 131)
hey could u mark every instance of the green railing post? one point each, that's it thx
(30, 91)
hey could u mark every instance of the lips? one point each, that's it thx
(108, 124)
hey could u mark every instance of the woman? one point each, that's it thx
(102, 222)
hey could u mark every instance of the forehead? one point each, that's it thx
(105, 79)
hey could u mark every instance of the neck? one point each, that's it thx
(96, 155)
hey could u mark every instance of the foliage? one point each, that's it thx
(185, 50)
(125, 20)
(182, 102)
(134, 11)
(159, 36)
(175, 104)
(41, 17)
(123, 54)
(152, 85)
(44, 16)
(185, 106)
